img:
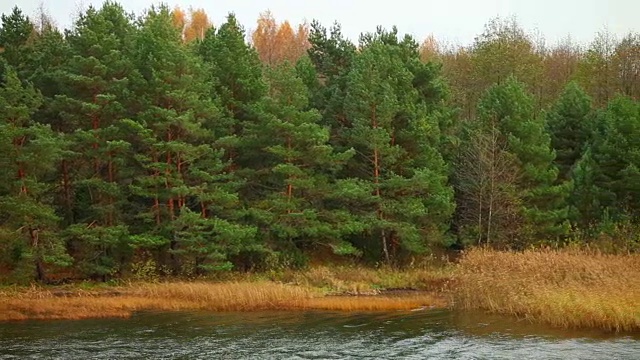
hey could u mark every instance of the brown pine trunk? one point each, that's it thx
(203, 209)
(21, 176)
(181, 198)
(376, 180)
(156, 201)
(111, 170)
(173, 243)
(395, 243)
(385, 247)
(111, 174)
(231, 157)
(156, 206)
(289, 186)
(66, 186)
(96, 125)
(40, 273)
(171, 201)
(171, 204)
(18, 143)
(289, 195)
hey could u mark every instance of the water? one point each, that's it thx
(308, 335)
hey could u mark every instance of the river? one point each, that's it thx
(429, 334)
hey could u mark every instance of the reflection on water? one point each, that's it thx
(308, 335)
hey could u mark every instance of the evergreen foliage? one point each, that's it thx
(127, 141)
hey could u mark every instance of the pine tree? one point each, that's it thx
(182, 169)
(297, 171)
(570, 126)
(93, 102)
(30, 150)
(48, 55)
(210, 226)
(542, 203)
(332, 55)
(169, 118)
(432, 92)
(14, 35)
(585, 210)
(237, 83)
(616, 157)
(410, 202)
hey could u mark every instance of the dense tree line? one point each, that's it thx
(165, 144)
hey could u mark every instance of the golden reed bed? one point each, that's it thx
(250, 296)
(564, 288)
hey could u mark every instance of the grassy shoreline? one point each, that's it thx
(319, 288)
(569, 289)
(124, 301)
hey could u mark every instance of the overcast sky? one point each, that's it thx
(456, 21)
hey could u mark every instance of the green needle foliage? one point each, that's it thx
(128, 150)
(542, 206)
(29, 233)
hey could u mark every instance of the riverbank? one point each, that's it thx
(320, 288)
(567, 288)
(123, 301)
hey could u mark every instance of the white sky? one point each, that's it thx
(454, 21)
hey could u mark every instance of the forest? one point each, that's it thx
(162, 143)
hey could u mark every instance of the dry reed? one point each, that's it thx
(377, 303)
(37, 303)
(570, 288)
(363, 280)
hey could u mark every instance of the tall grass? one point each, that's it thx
(121, 302)
(37, 303)
(359, 280)
(417, 301)
(567, 288)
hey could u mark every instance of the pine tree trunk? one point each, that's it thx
(95, 122)
(156, 200)
(18, 143)
(66, 186)
(111, 171)
(289, 186)
(173, 243)
(376, 180)
(171, 201)
(21, 176)
(203, 209)
(40, 273)
(181, 199)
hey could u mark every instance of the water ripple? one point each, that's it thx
(307, 335)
